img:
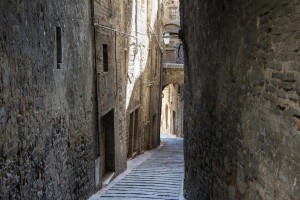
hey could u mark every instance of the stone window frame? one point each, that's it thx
(173, 12)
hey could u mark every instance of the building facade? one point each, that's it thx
(144, 82)
(172, 101)
(80, 86)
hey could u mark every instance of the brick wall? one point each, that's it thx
(242, 90)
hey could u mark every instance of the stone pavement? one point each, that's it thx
(158, 177)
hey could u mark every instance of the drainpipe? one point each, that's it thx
(96, 76)
(160, 92)
(116, 65)
(150, 142)
(161, 50)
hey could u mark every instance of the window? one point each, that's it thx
(58, 47)
(172, 13)
(105, 58)
(178, 89)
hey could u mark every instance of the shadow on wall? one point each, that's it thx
(143, 92)
(142, 113)
(242, 140)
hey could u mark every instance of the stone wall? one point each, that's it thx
(111, 18)
(242, 138)
(171, 14)
(47, 104)
(143, 75)
(61, 96)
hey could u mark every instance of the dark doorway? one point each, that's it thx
(133, 134)
(154, 131)
(149, 134)
(174, 122)
(108, 144)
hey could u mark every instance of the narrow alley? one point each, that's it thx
(89, 88)
(158, 177)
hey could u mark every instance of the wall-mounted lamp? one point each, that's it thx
(166, 38)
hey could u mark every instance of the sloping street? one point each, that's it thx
(158, 177)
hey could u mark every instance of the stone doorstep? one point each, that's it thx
(131, 164)
(107, 178)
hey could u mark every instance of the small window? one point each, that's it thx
(105, 58)
(178, 89)
(172, 13)
(58, 47)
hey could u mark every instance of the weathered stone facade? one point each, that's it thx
(242, 137)
(71, 73)
(47, 100)
(173, 73)
(110, 19)
(171, 25)
(144, 78)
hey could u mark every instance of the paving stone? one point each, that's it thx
(159, 177)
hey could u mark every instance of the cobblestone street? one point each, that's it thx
(158, 177)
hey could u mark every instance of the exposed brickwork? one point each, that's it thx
(242, 92)
(47, 115)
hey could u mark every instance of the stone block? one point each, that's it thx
(293, 96)
(297, 9)
(298, 83)
(286, 56)
(275, 82)
(281, 93)
(256, 76)
(289, 77)
(277, 31)
(2, 115)
(270, 88)
(231, 193)
(294, 66)
(278, 75)
(287, 86)
(241, 180)
(275, 65)
(282, 21)
(268, 96)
